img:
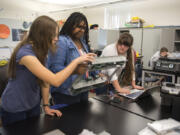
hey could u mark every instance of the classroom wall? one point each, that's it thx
(25, 10)
(156, 12)
(95, 16)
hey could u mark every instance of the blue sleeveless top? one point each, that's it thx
(23, 92)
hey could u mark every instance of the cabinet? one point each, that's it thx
(167, 39)
(102, 37)
(137, 36)
(178, 79)
(151, 42)
(177, 40)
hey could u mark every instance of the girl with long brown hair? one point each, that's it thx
(28, 74)
(122, 48)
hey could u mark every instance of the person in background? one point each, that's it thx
(73, 43)
(123, 47)
(28, 74)
(162, 53)
(94, 27)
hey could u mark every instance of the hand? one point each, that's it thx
(138, 87)
(124, 91)
(102, 75)
(81, 69)
(85, 58)
(52, 112)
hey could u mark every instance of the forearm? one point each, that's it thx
(61, 76)
(45, 97)
(45, 93)
(116, 85)
(133, 83)
(40, 71)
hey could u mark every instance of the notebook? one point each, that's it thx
(135, 93)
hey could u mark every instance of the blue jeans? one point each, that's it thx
(105, 89)
(102, 90)
(10, 118)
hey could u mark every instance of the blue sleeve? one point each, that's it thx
(24, 51)
(57, 60)
(60, 60)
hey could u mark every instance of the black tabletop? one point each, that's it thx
(95, 116)
(148, 107)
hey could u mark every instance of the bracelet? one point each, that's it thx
(44, 105)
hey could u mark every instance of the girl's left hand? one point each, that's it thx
(81, 69)
(52, 112)
(138, 87)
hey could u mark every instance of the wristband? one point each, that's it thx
(44, 105)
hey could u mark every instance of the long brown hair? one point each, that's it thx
(40, 36)
(127, 40)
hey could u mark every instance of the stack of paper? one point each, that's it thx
(162, 127)
(54, 132)
(87, 132)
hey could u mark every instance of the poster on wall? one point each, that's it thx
(26, 25)
(4, 31)
(18, 34)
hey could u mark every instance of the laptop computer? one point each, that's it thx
(136, 94)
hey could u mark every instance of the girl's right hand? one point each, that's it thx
(85, 58)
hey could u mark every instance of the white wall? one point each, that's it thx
(25, 9)
(156, 12)
(94, 15)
